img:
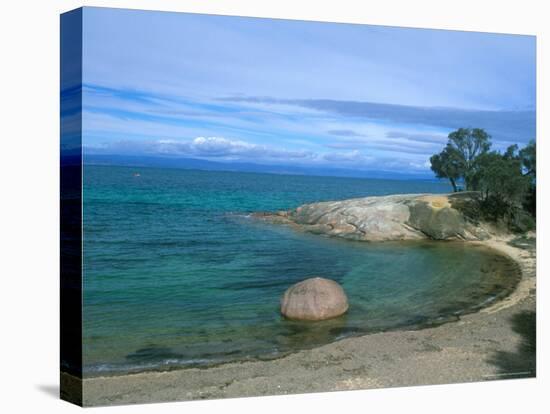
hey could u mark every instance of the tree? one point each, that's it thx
(501, 177)
(505, 183)
(447, 165)
(528, 157)
(503, 186)
(511, 152)
(458, 160)
(468, 144)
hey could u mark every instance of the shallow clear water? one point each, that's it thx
(176, 272)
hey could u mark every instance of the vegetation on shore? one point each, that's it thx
(503, 183)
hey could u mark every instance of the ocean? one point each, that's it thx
(178, 274)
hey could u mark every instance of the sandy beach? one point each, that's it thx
(495, 343)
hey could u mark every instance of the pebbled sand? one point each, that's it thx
(495, 343)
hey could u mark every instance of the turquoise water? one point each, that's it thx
(177, 273)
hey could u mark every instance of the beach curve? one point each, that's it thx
(462, 351)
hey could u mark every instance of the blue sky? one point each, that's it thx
(299, 93)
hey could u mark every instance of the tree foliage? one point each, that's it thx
(458, 160)
(501, 183)
(505, 182)
(528, 157)
(446, 164)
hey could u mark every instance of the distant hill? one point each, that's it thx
(199, 164)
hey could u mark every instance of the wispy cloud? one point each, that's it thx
(263, 130)
(408, 147)
(304, 93)
(431, 138)
(206, 56)
(507, 125)
(344, 133)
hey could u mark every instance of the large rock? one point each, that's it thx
(394, 217)
(314, 299)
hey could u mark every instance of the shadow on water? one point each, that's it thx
(523, 362)
(153, 354)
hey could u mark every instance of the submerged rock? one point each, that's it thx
(394, 217)
(314, 299)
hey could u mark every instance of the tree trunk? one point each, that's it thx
(453, 183)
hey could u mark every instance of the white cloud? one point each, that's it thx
(220, 147)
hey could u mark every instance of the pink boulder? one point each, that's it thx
(314, 299)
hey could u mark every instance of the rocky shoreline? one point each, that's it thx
(386, 218)
(494, 343)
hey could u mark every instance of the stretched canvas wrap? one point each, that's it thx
(263, 206)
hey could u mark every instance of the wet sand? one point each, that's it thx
(498, 342)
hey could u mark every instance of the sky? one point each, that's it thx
(283, 92)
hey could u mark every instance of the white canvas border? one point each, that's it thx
(29, 171)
